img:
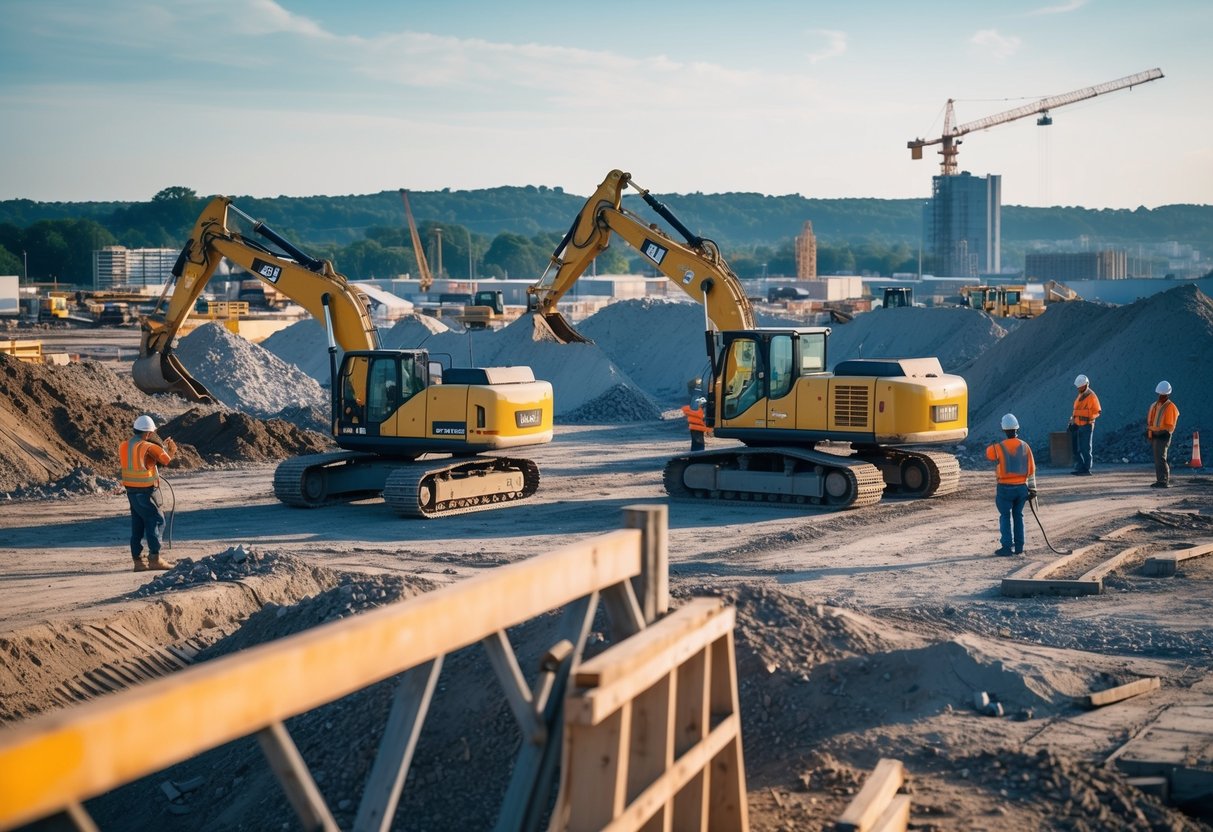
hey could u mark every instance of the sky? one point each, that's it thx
(116, 100)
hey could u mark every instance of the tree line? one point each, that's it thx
(512, 231)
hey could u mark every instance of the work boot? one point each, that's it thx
(1158, 485)
(140, 566)
(159, 565)
(1003, 552)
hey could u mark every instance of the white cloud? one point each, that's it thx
(1070, 6)
(835, 45)
(264, 17)
(997, 45)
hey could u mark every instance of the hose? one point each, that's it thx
(172, 512)
(1032, 505)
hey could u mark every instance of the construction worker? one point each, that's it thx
(1160, 425)
(698, 428)
(1016, 484)
(139, 457)
(1082, 426)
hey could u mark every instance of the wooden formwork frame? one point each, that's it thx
(51, 764)
(653, 731)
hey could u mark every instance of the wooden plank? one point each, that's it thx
(1167, 564)
(651, 745)
(410, 704)
(896, 818)
(1028, 570)
(728, 807)
(621, 658)
(623, 610)
(653, 583)
(513, 683)
(1122, 692)
(598, 771)
(878, 790)
(692, 719)
(1022, 588)
(1111, 564)
(596, 703)
(295, 779)
(676, 776)
(80, 752)
(1060, 563)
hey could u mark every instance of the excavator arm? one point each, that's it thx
(311, 283)
(695, 266)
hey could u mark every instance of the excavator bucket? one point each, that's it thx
(562, 329)
(164, 373)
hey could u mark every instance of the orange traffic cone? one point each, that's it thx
(1195, 461)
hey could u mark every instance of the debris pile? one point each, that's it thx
(233, 437)
(80, 480)
(244, 375)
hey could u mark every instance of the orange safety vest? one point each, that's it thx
(1086, 407)
(138, 458)
(694, 419)
(1164, 416)
(1016, 465)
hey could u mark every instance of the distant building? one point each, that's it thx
(962, 225)
(1081, 265)
(121, 266)
(806, 253)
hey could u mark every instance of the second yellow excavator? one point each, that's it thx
(770, 387)
(389, 407)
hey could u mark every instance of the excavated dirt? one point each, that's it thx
(860, 635)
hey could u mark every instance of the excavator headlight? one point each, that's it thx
(945, 412)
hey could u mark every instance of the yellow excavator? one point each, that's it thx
(770, 387)
(389, 407)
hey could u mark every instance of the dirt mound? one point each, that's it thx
(79, 481)
(225, 437)
(54, 419)
(1124, 350)
(954, 335)
(244, 375)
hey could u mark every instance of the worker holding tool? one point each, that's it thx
(1082, 426)
(139, 457)
(1160, 425)
(698, 428)
(1016, 484)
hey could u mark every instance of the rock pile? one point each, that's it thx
(79, 481)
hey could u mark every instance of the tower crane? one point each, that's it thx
(951, 132)
(423, 266)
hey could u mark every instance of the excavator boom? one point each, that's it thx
(694, 266)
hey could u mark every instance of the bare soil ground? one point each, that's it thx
(861, 635)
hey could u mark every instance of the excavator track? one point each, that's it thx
(775, 475)
(312, 480)
(915, 474)
(474, 484)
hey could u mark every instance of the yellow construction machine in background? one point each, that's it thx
(1002, 301)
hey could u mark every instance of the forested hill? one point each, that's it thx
(734, 220)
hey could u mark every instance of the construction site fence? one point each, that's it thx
(51, 764)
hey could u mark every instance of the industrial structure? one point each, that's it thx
(806, 253)
(1082, 265)
(122, 266)
(962, 224)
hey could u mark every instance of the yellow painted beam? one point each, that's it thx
(77, 753)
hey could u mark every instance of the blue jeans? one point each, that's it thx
(1082, 441)
(146, 520)
(1010, 501)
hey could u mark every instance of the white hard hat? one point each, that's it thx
(1081, 380)
(1009, 422)
(699, 401)
(1163, 388)
(145, 423)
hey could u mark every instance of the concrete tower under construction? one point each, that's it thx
(962, 226)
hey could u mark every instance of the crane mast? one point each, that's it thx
(423, 266)
(950, 140)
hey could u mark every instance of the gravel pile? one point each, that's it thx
(305, 344)
(244, 375)
(954, 335)
(229, 565)
(79, 481)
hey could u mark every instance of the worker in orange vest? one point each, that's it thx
(695, 422)
(138, 457)
(1016, 484)
(1082, 426)
(1160, 425)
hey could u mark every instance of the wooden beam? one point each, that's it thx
(896, 818)
(1167, 564)
(80, 752)
(1122, 692)
(296, 780)
(1111, 564)
(621, 659)
(410, 705)
(878, 790)
(623, 609)
(1021, 588)
(653, 583)
(513, 683)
